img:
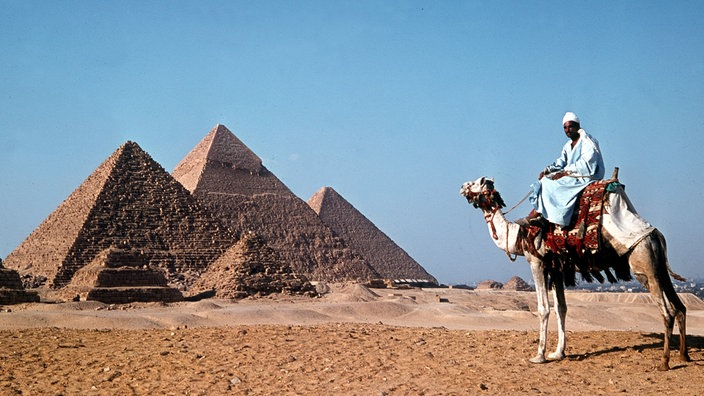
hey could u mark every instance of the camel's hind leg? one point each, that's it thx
(682, 325)
(648, 262)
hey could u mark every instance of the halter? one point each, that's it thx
(488, 199)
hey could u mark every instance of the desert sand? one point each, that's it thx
(352, 340)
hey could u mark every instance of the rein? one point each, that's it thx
(519, 202)
(489, 218)
(508, 254)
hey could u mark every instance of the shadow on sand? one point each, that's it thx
(695, 346)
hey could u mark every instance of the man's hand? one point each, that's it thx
(559, 175)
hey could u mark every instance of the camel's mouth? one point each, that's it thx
(468, 192)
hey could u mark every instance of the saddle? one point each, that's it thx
(582, 236)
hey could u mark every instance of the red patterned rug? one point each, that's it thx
(582, 234)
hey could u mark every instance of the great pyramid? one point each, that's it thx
(224, 173)
(128, 202)
(251, 268)
(385, 256)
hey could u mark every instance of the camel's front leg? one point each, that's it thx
(541, 291)
(558, 289)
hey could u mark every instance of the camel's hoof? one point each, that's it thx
(664, 367)
(685, 358)
(539, 359)
(556, 356)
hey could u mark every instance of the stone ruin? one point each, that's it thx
(117, 276)
(11, 289)
(385, 256)
(131, 203)
(226, 175)
(489, 285)
(251, 268)
(518, 284)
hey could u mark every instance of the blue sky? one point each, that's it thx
(392, 103)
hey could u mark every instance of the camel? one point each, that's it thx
(646, 259)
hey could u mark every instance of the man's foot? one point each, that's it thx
(538, 221)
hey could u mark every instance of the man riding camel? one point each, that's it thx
(580, 163)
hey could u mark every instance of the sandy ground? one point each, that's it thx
(351, 341)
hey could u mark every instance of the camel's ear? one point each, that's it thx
(489, 183)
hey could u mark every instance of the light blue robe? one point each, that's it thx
(556, 199)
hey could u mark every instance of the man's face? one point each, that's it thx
(571, 130)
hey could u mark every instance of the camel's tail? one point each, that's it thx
(664, 275)
(674, 275)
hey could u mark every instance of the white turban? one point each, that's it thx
(570, 116)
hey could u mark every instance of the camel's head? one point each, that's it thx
(481, 194)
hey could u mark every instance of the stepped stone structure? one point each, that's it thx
(251, 268)
(11, 290)
(128, 202)
(225, 174)
(385, 256)
(518, 284)
(117, 276)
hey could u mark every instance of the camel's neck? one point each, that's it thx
(503, 232)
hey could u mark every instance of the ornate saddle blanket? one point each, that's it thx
(582, 234)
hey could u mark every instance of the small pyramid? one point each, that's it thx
(11, 289)
(129, 202)
(385, 256)
(226, 175)
(251, 268)
(518, 284)
(118, 276)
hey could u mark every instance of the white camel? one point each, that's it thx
(644, 254)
